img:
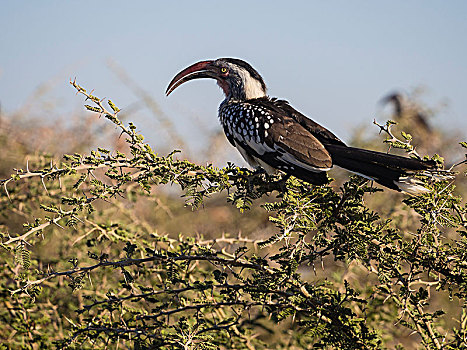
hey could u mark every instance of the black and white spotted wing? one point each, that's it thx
(268, 137)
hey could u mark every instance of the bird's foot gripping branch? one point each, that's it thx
(91, 268)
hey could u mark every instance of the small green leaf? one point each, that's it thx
(93, 109)
(112, 105)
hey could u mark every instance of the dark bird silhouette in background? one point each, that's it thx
(272, 135)
(404, 109)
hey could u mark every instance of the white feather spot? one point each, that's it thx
(411, 186)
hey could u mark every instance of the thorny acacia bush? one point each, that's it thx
(89, 271)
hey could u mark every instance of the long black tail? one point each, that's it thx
(386, 169)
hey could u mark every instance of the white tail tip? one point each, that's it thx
(411, 186)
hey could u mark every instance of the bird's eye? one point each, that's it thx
(224, 70)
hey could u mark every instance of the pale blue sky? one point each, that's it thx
(333, 60)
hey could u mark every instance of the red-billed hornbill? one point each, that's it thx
(271, 134)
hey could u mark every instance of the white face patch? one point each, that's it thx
(253, 88)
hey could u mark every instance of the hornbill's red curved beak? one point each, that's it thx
(202, 69)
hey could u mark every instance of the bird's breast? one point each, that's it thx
(246, 122)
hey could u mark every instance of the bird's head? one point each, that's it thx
(398, 101)
(237, 78)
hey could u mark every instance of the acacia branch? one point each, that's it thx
(129, 262)
(407, 145)
(40, 227)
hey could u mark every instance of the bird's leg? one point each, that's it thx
(256, 173)
(278, 185)
(281, 183)
(270, 183)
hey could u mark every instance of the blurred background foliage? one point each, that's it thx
(277, 284)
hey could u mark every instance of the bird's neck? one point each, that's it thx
(244, 88)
